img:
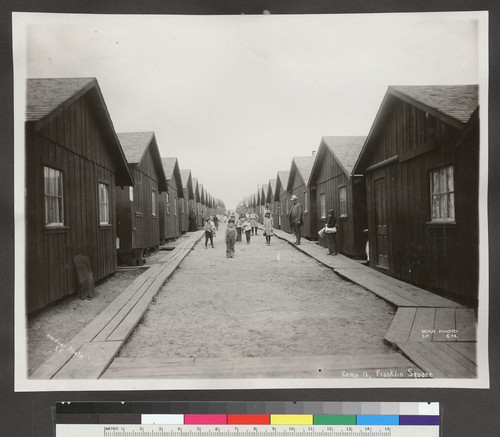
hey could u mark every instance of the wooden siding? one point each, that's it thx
(300, 190)
(351, 239)
(141, 229)
(440, 257)
(72, 142)
(169, 222)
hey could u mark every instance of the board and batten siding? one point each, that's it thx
(438, 256)
(351, 239)
(71, 142)
(169, 221)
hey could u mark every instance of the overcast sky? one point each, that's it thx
(234, 98)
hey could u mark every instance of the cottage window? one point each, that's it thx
(131, 193)
(442, 195)
(167, 206)
(103, 204)
(53, 182)
(322, 205)
(343, 201)
(306, 201)
(175, 205)
(153, 203)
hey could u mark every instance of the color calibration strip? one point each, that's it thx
(355, 413)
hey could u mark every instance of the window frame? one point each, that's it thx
(105, 185)
(154, 209)
(441, 194)
(342, 202)
(322, 206)
(59, 198)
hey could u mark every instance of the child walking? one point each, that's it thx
(230, 239)
(209, 232)
(268, 226)
(247, 228)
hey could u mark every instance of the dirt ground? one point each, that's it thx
(268, 301)
(67, 317)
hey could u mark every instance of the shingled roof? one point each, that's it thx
(455, 101)
(172, 171)
(303, 165)
(49, 97)
(135, 144)
(346, 150)
(45, 96)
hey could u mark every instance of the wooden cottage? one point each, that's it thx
(336, 187)
(263, 201)
(421, 163)
(202, 205)
(271, 189)
(187, 189)
(282, 198)
(169, 216)
(138, 226)
(73, 163)
(298, 184)
(194, 202)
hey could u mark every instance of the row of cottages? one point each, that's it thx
(90, 191)
(410, 188)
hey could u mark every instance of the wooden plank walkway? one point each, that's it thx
(435, 333)
(89, 353)
(392, 365)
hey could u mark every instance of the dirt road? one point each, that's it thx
(268, 301)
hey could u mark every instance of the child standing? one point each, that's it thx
(268, 226)
(209, 231)
(247, 228)
(230, 239)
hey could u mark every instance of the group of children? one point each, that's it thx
(235, 228)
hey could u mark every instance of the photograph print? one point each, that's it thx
(251, 201)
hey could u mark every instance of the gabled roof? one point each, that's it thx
(47, 98)
(271, 190)
(202, 193)
(196, 189)
(281, 183)
(187, 183)
(455, 101)
(172, 172)
(263, 197)
(303, 166)
(452, 104)
(345, 151)
(135, 145)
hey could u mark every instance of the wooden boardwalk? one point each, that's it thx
(91, 351)
(435, 333)
(337, 366)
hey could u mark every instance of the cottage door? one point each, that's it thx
(382, 246)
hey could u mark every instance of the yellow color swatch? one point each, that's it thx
(292, 419)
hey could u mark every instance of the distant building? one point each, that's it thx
(282, 198)
(298, 185)
(169, 201)
(188, 195)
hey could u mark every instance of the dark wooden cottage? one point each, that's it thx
(298, 184)
(421, 163)
(282, 198)
(271, 189)
(187, 189)
(194, 202)
(73, 163)
(138, 226)
(335, 187)
(169, 201)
